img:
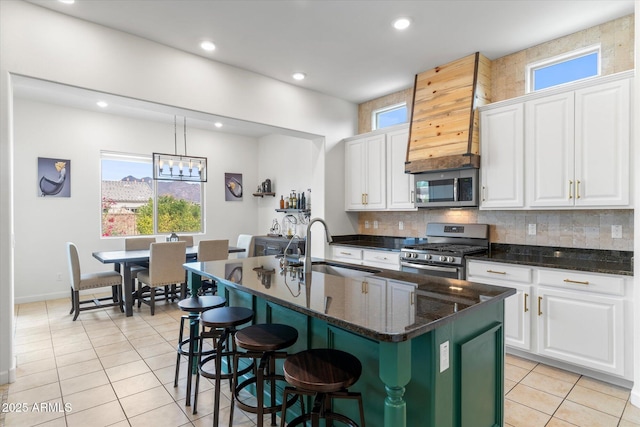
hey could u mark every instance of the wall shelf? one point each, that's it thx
(264, 194)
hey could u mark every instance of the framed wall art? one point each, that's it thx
(232, 187)
(54, 177)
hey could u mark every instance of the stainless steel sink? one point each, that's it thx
(342, 270)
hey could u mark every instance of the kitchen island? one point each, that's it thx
(432, 349)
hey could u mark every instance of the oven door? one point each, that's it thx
(449, 272)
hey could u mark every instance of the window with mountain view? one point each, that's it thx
(134, 204)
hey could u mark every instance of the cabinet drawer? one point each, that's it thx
(381, 257)
(347, 252)
(601, 283)
(498, 272)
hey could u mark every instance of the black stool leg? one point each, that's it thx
(180, 336)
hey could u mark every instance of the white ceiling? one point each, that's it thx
(347, 48)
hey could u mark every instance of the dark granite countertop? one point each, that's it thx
(591, 260)
(329, 297)
(389, 243)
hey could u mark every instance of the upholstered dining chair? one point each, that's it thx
(81, 282)
(245, 241)
(137, 244)
(165, 271)
(211, 250)
(187, 239)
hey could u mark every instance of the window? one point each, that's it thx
(570, 67)
(389, 116)
(134, 204)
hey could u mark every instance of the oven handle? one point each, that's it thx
(430, 267)
(455, 189)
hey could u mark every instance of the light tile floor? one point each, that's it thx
(109, 370)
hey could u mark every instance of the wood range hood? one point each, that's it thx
(444, 119)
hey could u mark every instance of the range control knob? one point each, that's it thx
(427, 257)
(443, 258)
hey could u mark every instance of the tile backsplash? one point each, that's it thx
(589, 229)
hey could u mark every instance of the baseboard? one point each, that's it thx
(635, 396)
(573, 368)
(7, 377)
(42, 297)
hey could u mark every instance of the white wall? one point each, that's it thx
(44, 224)
(39, 43)
(287, 162)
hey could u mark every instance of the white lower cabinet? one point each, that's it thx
(581, 328)
(574, 317)
(369, 257)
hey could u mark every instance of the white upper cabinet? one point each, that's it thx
(374, 171)
(602, 145)
(400, 191)
(576, 144)
(502, 157)
(365, 164)
(550, 151)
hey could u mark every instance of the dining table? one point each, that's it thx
(124, 260)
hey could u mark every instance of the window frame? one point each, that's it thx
(558, 59)
(375, 113)
(143, 158)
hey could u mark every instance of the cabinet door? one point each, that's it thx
(581, 328)
(517, 318)
(602, 145)
(549, 136)
(400, 191)
(376, 186)
(355, 173)
(501, 159)
(365, 173)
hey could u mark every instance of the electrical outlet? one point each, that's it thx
(366, 224)
(59, 277)
(532, 229)
(401, 225)
(616, 232)
(375, 224)
(444, 356)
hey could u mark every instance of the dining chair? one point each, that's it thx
(136, 244)
(187, 239)
(81, 282)
(165, 271)
(245, 241)
(211, 250)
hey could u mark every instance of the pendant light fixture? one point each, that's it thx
(178, 167)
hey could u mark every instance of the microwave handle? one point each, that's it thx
(455, 189)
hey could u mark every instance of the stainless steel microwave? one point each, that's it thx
(451, 189)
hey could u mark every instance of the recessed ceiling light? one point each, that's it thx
(401, 23)
(102, 104)
(208, 46)
(299, 76)
(218, 124)
(67, 1)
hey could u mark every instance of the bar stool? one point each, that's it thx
(222, 323)
(262, 343)
(325, 374)
(194, 306)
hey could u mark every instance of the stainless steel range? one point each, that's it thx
(447, 246)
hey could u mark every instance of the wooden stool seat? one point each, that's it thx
(201, 303)
(194, 306)
(322, 370)
(325, 374)
(262, 343)
(224, 317)
(266, 337)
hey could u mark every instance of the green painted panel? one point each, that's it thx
(481, 379)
